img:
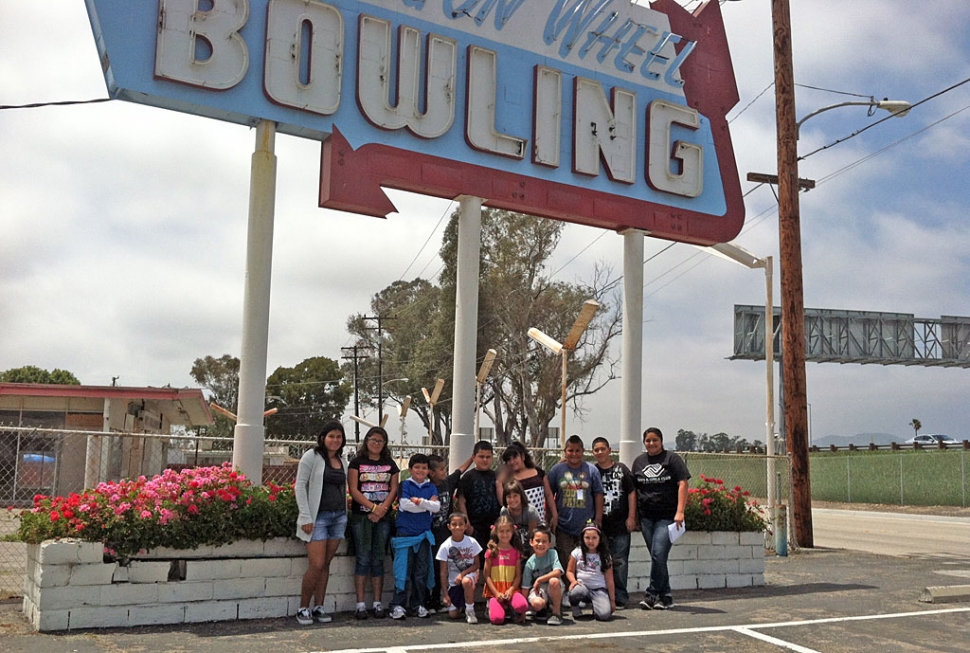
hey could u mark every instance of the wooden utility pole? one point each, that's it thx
(792, 290)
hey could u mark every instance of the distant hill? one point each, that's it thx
(860, 439)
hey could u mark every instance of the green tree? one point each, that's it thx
(34, 374)
(307, 396)
(522, 394)
(220, 376)
(917, 425)
(413, 344)
(685, 441)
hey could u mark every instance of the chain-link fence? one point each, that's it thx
(929, 477)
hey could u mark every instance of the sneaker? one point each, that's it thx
(621, 606)
(542, 614)
(666, 603)
(530, 614)
(648, 602)
(577, 612)
(423, 612)
(470, 617)
(303, 617)
(555, 620)
(360, 614)
(321, 616)
(379, 612)
(397, 612)
(432, 611)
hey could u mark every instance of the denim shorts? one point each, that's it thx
(329, 525)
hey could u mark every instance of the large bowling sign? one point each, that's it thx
(601, 112)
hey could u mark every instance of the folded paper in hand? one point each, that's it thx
(675, 531)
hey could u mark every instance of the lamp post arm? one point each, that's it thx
(898, 108)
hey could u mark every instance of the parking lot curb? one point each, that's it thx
(945, 594)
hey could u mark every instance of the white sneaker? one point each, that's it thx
(470, 617)
(321, 616)
(303, 617)
(397, 612)
(423, 612)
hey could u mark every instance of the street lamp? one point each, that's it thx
(479, 380)
(747, 259)
(432, 399)
(897, 108)
(572, 341)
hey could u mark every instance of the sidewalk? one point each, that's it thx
(808, 585)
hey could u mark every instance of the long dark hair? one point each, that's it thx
(385, 454)
(321, 447)
(606, 560)
(517, 448)
(493, 542)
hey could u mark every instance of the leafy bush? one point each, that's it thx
(713, 507)
(187, 509)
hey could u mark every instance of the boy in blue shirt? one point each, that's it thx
(578, 490)
(413, 563)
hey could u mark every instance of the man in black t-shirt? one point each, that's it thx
(660, 477)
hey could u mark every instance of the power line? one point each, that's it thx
(62, 103)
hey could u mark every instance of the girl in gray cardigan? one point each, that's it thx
(321, 496)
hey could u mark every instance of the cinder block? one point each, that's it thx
(711, 581)
(212, 569)
(238, 588)
(724, 538)
(120, 575)
(47, 621)
(92, 574)
(752, 566)
(149, 615)
(341, 585)
(68, 597)
(58, 552)
(723, 552)
(739, 580)
(265, 567)
(638, 550)
(98, 617)
(128, 594)
(290, 547)
(185, 591)
(678, 583)
(298, 566)
(239, 549)
(675, 567)
(166, 553)
(639, 569)
(148, 571)
(683, 552)
(700, 567)
(90, 552)
(694, 537)
(755, 538)
(213, 611)
(265, 608)
(285, 586)
(33, 553)
(51, 575)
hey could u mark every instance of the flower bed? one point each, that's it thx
(713, 507)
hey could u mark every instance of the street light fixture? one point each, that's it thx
(572, 341)
(897, 108)
(479, 380)
(432, 399)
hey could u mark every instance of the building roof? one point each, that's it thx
(185, 406)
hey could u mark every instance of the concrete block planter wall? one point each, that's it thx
(69, 586)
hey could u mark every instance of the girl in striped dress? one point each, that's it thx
(503, 574)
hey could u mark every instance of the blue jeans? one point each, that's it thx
(370, 540)
(657, 539)
(416, 584)
(620, 551)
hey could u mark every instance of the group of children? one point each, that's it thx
(522, 572)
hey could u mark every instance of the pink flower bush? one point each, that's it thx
(187, 509)
(713, 507)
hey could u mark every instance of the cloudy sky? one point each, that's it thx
(123, 227)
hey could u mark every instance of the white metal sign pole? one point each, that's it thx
(631, 363)
(247, 450)
(466, 330)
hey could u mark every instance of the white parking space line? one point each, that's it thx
(774, 640)
(740, 628)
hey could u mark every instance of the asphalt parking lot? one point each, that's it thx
(821, 600)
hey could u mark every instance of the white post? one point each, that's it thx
(770, 396)
(466, 330)
(631, 364)
(247, 451)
